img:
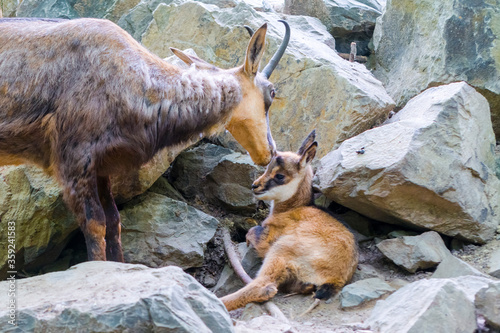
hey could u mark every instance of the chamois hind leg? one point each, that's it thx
(113, 229)
(272, 273)
(82, 197)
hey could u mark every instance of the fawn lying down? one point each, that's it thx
(304, 248)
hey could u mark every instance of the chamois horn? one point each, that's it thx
(268, 70)
(250, 30)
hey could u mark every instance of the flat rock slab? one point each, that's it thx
(114, 297)
(362, 291)
(415, 252)
(435, 305)
(451, 266)
(430, 166)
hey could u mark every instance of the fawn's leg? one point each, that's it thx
(81, 196)
(265, 286)
(113, 228)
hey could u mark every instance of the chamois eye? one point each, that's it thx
(279, 177)
(272, 93)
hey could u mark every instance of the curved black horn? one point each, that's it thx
(250, 30)
(268, 70)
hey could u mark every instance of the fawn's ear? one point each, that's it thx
(307, 142)
(308, 155)
(255, 50)
(189, 59)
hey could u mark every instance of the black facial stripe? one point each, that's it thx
(273, 182)
(267, 103)
(270, 139)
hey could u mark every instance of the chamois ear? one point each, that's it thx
(307, 142)
(307, 156)
(189, 59)
(255, 50)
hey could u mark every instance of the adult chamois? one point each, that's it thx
(84, 100)
(304, 247)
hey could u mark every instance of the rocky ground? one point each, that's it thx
(329, 316)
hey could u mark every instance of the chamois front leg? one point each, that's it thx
(272, 273)
(82, 197)
(113, 228)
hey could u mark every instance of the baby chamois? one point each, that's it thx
(304, 248)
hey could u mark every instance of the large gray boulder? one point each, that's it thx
(42, 223)
(347, 20)
(70, 9)
(64, 8)
(429, 166)
(435, 305)
(421, 43)
(114, 297)
(315, 87)
(415, 252)
(159, 231)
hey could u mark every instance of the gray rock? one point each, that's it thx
(451, 266)
(348, 21)
(421, 43)
(362, 291)
(163, 187)
(435, 305)
(488, 304)
(42, 223)
(136, 20)
(193, 165)
(120, 8)
(218, 175)
(229, 282)
(114, 297)
(230, 182)
(365, 271)
(494, 263)
(415, 252)
(8, 8)
(264, 323)
(159, 231)
(64, 8)
(358, 222)
(401, 233)
(430, 166)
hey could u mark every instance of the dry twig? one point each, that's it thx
(240, 271)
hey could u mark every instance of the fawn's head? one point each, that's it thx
(287, 172)
(249, 121)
